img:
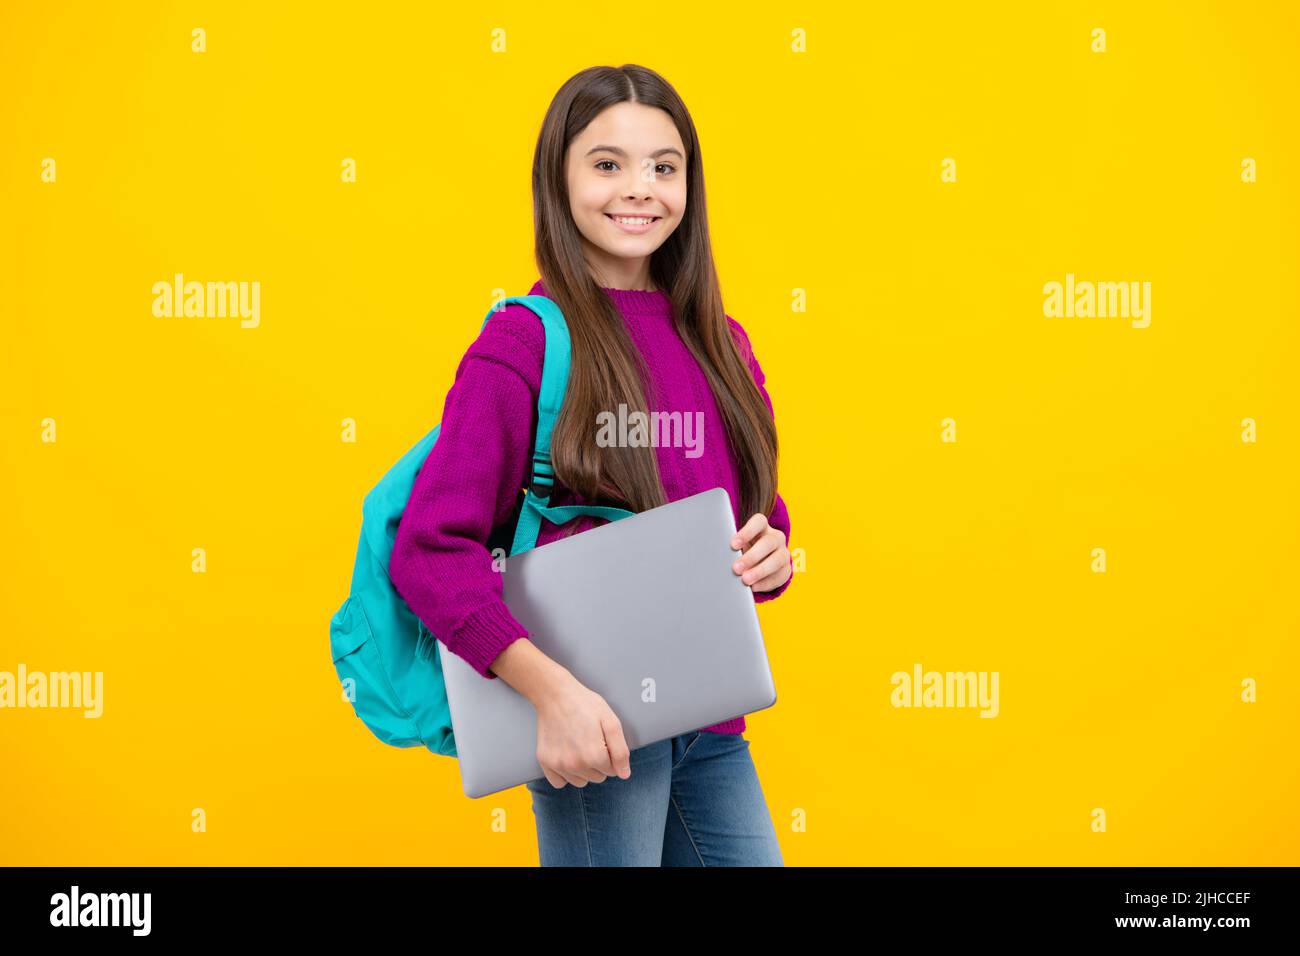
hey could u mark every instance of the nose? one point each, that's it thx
(641, 186)
(638, 193)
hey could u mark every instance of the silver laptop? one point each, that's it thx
(645, 611)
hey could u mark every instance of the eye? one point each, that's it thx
(667, 166)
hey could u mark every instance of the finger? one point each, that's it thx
(553, 778)
(592, 763)
(576, 777)
(559, 779)
(750, 530)
(769, 566)
(618, 749)
(559, 776)
(581, 770)
(601, 763)
(759, 550)
(772, 581)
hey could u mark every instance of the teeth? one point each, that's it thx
(640, 221)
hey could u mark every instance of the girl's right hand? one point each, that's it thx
(579, 738)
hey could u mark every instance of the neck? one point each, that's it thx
(623, 275)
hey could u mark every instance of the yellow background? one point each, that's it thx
(1118, 690)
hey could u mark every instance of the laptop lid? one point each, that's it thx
(646, 612)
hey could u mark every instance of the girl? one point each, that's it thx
(622, 242)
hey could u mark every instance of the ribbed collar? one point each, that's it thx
(629, 301)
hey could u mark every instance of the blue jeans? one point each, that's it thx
(692, 800)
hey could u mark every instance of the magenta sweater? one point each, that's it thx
(470, 482)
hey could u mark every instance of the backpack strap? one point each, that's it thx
(550, 399)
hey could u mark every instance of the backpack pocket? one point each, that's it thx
(365, 681)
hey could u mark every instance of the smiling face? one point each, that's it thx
(627, 190)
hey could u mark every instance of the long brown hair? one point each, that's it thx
(606, 367)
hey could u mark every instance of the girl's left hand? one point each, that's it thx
(765, 562)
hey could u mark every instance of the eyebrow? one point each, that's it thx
(621, 152)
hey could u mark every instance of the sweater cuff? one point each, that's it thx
(483, 634)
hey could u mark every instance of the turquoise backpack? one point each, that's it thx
(389, 663)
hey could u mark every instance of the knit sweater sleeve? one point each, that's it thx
(780, 514)
(468, 486)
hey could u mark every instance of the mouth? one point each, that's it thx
(634, 224)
